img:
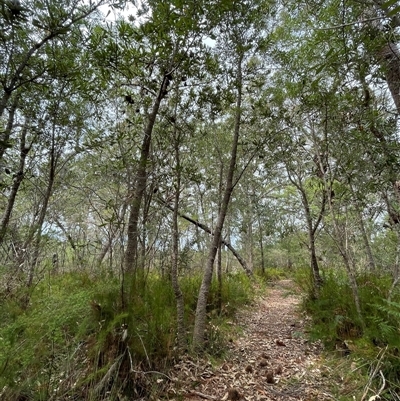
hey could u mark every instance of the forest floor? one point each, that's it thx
(271, 358)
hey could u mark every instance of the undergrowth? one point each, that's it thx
(372, 343)
(272, 274)
(75, 339)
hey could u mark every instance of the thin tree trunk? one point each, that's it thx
(219, 255)
(112, 235)
(42, 214)
(140, 184)
(23, 153)
(10, 123)
(209, 231)
(311, 231)
(180, 306)
(262, 256)
(344, 253)
(69, 239)
(201, 309)
(367, 245)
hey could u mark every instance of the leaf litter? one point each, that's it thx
(272, 360)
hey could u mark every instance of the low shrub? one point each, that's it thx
(76, 338)
(336, 322)
(271, 274)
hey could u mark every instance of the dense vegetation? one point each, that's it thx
(154, 155)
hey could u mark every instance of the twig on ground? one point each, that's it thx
(201, 395)
(367, 387)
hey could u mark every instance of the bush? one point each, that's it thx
(272, 274)
(75, 333)
(336, 322)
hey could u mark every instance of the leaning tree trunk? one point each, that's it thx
(312, 228)
(140, 183)
(201, 309)
(42, 214)
(224, 242)
(23, 153)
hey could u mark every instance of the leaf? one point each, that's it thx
(330, 51)
(319, 68)
(394, 11)
(388, 4)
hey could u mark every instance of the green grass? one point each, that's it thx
(75, 332)
(336, 322)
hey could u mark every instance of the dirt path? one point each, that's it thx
(271, 360)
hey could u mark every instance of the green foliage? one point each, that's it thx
(333, 312)
(73, 329)
(272, 274)
(38, 340)
(335, 319)
(303, 278)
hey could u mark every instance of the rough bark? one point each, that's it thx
(180, 306)
(140, 181)
(42, 215)
(10, 123)
(201, 309)
(389, 55)
(19, 176)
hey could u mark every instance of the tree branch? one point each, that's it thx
(209, 231)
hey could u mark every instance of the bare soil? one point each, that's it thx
(272, 359)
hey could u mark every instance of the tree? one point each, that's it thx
(240, 29)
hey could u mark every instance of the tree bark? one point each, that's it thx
(42, 215)
(140, 184)
(209, 231)
(180, 306)
(10, 123)
(367, 245)
(311, 231)
(389, 55)
(23, 153)
(201, 309)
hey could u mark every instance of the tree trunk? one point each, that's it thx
(344, 253)
(23, 153)
(180, 306)
(219, 254)
(262, 255)
(367, 245)
(311, 230)
(201, 309)
(209, 231)
(10, 123)
(389, 55)
(140, 184)
(389, 58)
(39, 226)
